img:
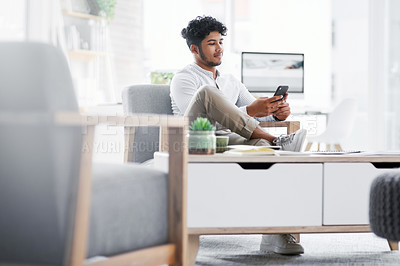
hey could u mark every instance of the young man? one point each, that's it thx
(200, 90)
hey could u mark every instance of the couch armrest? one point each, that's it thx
(68, 118)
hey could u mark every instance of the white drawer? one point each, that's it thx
(346, 192)
(226, 195)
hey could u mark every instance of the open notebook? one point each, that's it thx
(248, 150)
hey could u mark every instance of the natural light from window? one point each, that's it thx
(13, 20)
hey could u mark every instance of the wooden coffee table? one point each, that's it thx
(279, 194)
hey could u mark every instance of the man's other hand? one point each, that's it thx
(265, 106)
(283, 111)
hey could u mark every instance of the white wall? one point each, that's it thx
(127, 34)
(350, 63)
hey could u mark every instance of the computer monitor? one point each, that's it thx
(264, 72)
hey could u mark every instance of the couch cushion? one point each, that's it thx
(129, 209)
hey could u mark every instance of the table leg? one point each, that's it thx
(394, 245)
(338, 147)
(328, 147)
(193, 248)
(308, 147)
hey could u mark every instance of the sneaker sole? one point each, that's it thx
(282, 251)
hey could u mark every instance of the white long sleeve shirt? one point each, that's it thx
(188, 80)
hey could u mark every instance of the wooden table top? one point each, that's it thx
(308, 158)
(220, 157)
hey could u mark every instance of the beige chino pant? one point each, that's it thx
(209, 102)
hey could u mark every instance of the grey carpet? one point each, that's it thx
(320, 249)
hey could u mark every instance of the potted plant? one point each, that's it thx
(202, 138)
(107, 8)
(161, 77)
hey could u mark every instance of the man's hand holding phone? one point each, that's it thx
(264, 106)
(276, 105)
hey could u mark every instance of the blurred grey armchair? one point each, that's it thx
(137, 215)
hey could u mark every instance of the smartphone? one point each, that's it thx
(281, 91)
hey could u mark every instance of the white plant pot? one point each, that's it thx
(202, 142)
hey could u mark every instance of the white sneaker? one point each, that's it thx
(292, 142)
(281, 244)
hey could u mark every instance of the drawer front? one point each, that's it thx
(346, 192)
(226, 195)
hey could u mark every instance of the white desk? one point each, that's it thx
(280, 194)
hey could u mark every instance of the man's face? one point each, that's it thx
(212, 49)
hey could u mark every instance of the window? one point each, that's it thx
(13, 20)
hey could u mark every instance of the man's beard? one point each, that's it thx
(209, 63)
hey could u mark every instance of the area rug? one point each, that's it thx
(320, 249)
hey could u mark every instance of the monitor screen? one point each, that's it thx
(264, 72)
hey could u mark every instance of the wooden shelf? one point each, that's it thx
(82, 15)
(85, 55)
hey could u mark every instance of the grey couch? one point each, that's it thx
(149, 99)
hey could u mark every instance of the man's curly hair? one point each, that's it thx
(200, 27)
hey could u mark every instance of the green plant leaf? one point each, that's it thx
(201, 124)
(108, 7)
